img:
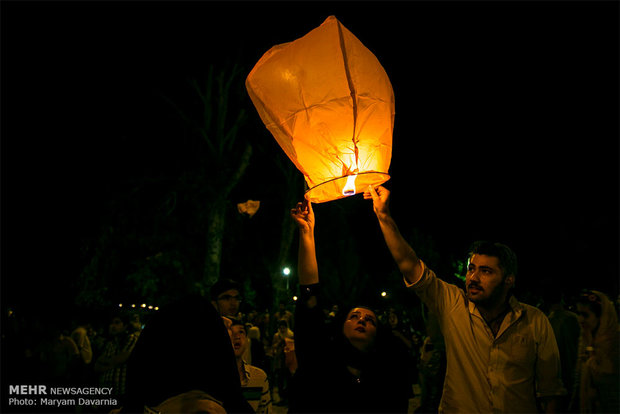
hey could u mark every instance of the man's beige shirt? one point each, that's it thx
(487, 374)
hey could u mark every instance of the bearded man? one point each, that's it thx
(501, 354)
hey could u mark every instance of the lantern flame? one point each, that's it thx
(349, 187)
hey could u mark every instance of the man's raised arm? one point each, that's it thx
(405, 257)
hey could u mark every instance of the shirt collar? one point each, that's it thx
(246, 371)
(516, 308)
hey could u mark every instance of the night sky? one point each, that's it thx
(506, 124)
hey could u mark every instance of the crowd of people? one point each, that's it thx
(478, 350)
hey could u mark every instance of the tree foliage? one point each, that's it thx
(162, 234)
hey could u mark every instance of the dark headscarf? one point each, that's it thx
(184, 347)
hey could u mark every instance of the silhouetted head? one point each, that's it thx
(184, 347)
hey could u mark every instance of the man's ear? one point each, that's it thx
(510, 281)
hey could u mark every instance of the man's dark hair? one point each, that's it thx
(506, 257)
(236, 322)
(223, 285)
(125, 317)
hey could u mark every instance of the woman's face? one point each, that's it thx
(360, 328)
(587, 319)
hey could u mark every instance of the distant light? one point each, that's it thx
(143, 305)
(156, 308)
(133, 305)
(295, 298)
(286, 271)
(150, 306)
(120, 305)
(384, 294)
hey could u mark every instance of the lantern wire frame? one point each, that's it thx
(318, 193)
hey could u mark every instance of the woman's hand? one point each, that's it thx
(303, 216)
(307, 268)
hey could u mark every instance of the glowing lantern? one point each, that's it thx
(330, 105)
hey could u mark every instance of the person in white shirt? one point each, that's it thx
(254, 382)
(502, 355)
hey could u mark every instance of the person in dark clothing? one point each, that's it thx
(111, 365)
(184, 362)
(566, 329)
(345, 366)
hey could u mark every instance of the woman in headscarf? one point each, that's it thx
(597, 376)
(184, 363)
(346, 366)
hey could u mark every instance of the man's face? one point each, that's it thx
(360, 328)
(227, 303)
(485, 281)
(239, 340)
(116, 326)
(135, 323)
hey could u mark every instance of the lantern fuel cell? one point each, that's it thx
(349, 187)
(329, 104)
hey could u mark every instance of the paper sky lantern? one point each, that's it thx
(330, 105)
